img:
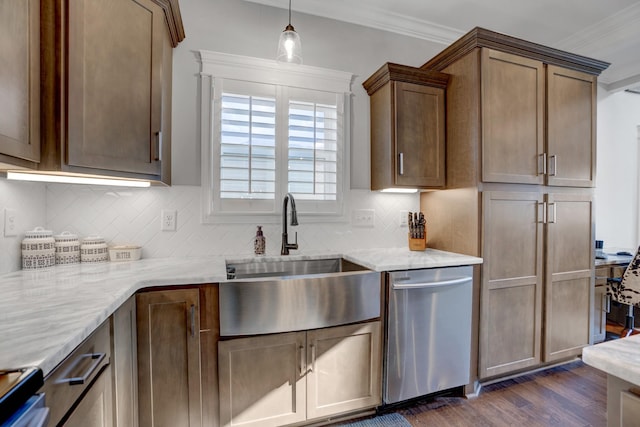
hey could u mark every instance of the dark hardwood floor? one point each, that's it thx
(569, 395)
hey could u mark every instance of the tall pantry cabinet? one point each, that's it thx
(520, 171)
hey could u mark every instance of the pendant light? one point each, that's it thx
(289, 47)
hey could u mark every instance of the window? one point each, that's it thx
(269, 129)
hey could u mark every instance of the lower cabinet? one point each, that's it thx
(274, 380)
(95, 409)
(124, 365)
(169, 358)
(537, 286)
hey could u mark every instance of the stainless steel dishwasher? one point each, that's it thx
(428, 347)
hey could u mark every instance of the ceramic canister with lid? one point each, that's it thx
(67, 248)
(38, 249)
(94, 249)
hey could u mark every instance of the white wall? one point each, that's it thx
(617, 169)
(28, 200)
(244, 28)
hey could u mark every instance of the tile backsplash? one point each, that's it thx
(132, 216)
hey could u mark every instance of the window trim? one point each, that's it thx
(215, 68)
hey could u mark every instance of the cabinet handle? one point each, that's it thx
(401, 163)
(97, 359)
(313, 358)
(542, 212)
(553, 209)
(607, 303)
(542, 164)
(158, 148)
(301, 350)
(193, 320)
(553, 165)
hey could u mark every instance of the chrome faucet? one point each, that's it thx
(294, 221)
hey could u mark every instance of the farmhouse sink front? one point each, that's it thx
(265, 297)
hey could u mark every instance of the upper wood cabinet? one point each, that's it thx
(512, 102)
(407, 127)
(106, 95)
(571, 127)
(518, 112)
(20, 82)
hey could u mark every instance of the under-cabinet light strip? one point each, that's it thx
(399, 190)
(70, 179)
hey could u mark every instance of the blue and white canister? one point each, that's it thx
(38, 249)
(67, 248)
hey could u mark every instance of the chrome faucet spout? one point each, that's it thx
(294, 221)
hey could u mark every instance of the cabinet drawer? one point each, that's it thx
(65, 384)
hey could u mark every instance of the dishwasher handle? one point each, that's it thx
(431, 285)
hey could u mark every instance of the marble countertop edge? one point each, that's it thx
(620, 358)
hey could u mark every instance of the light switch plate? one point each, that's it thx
(168, 220)
(403, 220)
(363, 217)
(10, 226)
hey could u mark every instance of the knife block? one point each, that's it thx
(417, 244)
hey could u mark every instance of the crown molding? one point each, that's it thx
(373, 18)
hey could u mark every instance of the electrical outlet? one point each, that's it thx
(169, 219)
(403, 223)
(10, 226)
(363, 217)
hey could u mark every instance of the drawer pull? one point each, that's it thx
(313, 358)
(401, 163)
(193, 321)
(97, 358)
(301, 350)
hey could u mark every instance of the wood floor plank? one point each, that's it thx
(569, 395)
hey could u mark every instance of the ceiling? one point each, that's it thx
(605, 30)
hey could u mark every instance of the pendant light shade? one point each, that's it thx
(289, 46)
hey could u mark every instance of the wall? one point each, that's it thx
(244, 28)
(617, 189)
(28, 199)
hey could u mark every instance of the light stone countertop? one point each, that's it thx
(620, 358)
(45, 314)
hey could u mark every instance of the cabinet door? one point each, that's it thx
(169, 358)
(511, 293)
(262, 380)
(115, 54)
(344, 369)
(571, 127)
(20, 79)
(512, 118)
(569, 275)
(124, 365)
(95, 408)
(420, 135)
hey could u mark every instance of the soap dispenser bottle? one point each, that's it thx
(259, 245)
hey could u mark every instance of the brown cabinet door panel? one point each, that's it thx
(20, 79)
(169, 358)
(115, 58)
(571, 117)
(569, 275)
(344, 369)
(511, 293)
(262, 380)
(420, 130)
(512, 118)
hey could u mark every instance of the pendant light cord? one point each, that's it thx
(289, 12)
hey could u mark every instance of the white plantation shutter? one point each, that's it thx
(312, 150)
(247, 147)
